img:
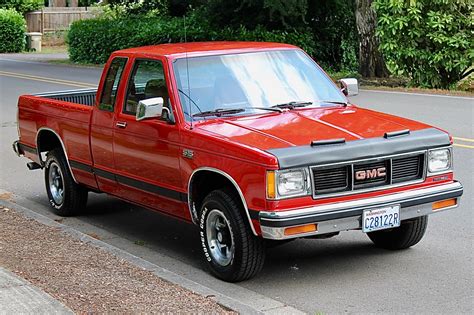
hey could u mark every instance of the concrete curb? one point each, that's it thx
(266, 305)
(18, 296)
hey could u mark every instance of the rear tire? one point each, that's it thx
(231, 250)
(65, 196)
(408, 234)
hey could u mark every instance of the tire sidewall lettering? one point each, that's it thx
(202, 232)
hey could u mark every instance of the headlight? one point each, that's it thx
(439, 160)
(287, 183)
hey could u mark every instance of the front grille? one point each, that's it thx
(361, 175)
(407, 168)
(332, 179)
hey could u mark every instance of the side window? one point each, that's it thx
(146, 81)
(112, 80)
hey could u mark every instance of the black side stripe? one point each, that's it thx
(80, 166)
(104, 174)
(154, 189)
(157, 190)
(27, 148)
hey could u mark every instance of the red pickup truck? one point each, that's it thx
(250, 141)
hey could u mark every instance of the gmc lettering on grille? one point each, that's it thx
(371, 173)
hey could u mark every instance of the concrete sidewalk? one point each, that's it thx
(18, 296)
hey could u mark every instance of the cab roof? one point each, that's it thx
(194, 49)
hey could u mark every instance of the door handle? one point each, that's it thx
(121, 124)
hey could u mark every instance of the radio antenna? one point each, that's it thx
(187, 73)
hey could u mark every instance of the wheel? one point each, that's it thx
(65, 196)
(231, 250)
(409, 233)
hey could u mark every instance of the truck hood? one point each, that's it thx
(301, 127)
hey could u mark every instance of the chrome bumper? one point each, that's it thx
(343, 216)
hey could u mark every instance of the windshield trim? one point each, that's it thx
(237, 52)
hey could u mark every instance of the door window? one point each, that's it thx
(112, 81)
(147, 81)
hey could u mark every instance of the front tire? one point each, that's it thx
(231, 250)
(65, 196)
(409, 233)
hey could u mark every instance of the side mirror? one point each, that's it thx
(349, 86)
(150, 108)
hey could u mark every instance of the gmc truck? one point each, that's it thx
(251, 142)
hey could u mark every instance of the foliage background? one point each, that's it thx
(22, 6)
(12, 31)
(92, 41)
(330, 38)
(429, 41)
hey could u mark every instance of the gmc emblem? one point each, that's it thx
(371, 173)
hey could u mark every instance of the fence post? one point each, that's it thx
(42, 21)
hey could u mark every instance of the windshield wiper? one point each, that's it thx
(219, 112)
(229, 111)
(334, 102)
(292, 105)
(272, 109)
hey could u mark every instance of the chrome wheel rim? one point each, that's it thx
(220, 239)
(56, 183)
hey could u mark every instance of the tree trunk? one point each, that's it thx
(371, 62)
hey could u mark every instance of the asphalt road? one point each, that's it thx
(338, 275)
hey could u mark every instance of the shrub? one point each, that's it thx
(22, 6)
(92, 41)
(334, 26)
(12, 31)
(430, 41)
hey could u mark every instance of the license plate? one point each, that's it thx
(380, 218)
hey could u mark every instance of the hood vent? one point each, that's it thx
(327, 142)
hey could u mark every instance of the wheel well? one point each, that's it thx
(47, 141)
(204, 182)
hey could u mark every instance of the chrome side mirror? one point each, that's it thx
(349, 86)
(150, 108)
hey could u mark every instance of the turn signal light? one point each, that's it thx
(271, 193)
(301, 229)
(443, 204)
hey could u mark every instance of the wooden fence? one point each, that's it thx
(55, 19)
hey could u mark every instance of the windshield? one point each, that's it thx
(252, 81)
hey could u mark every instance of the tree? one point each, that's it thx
(371, 61)
(272, 14)
(22, 6)
(430, 41)
(333, 26)
(140, 7)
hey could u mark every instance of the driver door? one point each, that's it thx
(146, 153)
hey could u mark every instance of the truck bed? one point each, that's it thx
(65, 115)
(81, 96)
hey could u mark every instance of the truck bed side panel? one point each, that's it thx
(69, 121)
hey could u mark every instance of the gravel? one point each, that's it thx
(86, 278)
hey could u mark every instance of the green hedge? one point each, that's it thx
(22, 6)
(12, 31)
(92, 41)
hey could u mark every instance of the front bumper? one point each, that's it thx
(343, 216)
